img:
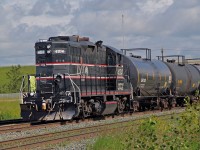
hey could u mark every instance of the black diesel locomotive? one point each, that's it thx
(76, 78)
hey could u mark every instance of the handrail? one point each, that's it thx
(73, 83)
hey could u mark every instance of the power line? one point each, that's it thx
(15, 56)
(175, 49)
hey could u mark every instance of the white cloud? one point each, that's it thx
(44, 21)
(152, 7)
(148, 23)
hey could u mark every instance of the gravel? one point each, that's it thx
(79, 145)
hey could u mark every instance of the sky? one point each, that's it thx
(173, 25)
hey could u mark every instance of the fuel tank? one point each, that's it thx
(185, 78)
(149, 76)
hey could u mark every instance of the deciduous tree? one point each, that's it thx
(14, 76)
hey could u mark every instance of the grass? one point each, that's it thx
(111, 142)
(108, 142)
(9, 99)
(24, 70)
(9, 109)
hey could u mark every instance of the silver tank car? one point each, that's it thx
(185, 78)
(149, 76)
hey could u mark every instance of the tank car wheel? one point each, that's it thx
(135, 106)
(161, 104)
(174, 105)
(142, 108)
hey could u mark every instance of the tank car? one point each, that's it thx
(74, 78)
(150, 76)
(150, 79)
(185, 77)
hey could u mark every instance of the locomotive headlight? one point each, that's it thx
(68, 93)
(48, 51)
(48, 46)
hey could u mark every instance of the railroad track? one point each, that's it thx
(18, 125)
(13, 127)
(13, 121)
(40, 141)
(75, 134)
(25, 126)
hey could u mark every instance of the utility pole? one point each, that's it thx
(122, 31)
(162, 54)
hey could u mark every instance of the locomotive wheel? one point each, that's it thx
(120, 106)
(86, 109)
